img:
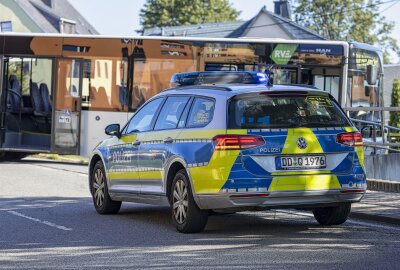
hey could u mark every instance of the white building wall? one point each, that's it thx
(265, 26)
(10, 11)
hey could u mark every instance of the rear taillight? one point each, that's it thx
(237, 142)
(350, 138)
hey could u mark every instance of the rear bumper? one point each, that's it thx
(278, 199)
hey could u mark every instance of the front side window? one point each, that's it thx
(143, 119)
(361, 94)
(284, 111)
(171, 112)
(201, 113)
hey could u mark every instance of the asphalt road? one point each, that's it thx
(47, 221)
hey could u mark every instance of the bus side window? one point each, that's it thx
(104, 86)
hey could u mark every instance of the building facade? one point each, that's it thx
(42, 16)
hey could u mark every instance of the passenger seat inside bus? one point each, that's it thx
(123, 96)
(13, 95)
(44, 91)
(40, 102)
(15, 102)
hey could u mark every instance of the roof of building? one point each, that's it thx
(47, 14)
(215, 30)
(233, 29)
(293, 29)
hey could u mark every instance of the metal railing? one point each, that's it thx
(377, 126)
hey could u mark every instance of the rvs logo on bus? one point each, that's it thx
(282, 53)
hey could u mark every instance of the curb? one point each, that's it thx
(391, 220)
(383, 185)
(59, 161)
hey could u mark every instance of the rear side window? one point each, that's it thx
(201, 113)
(284, 111)
(171, 112)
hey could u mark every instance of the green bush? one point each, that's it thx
(395, 116)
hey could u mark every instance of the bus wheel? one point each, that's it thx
(14, 155)
(332, 215)
(102, 201)
(186, 215)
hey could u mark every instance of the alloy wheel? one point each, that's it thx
(99, 187)
(180, 201)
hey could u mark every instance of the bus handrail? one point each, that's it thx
(374, 123)
(386, 138)
(372, 109)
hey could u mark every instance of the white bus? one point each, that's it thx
(58, 92)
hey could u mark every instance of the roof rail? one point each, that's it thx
(192, 87)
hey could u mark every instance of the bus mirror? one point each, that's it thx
(366, 132)
(113, 130)
(372, 74)
(367, 90)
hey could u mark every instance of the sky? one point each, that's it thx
(121, 17)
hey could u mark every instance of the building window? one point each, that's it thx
(6, 26)
(67, 26)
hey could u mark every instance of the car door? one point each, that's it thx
(155, 146)
(124, 169)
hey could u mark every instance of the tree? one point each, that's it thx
(357, 20)
(185, 12)
(395, 116)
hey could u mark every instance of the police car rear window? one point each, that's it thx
(284, 111)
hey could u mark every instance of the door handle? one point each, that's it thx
(168, 140)
(137, 142)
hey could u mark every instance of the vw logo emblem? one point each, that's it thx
(302, 143)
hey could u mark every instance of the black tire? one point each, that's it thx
(186, 215)
(332, 215)
(101, 199)
(14, 155)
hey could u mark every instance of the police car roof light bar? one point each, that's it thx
(219, 77)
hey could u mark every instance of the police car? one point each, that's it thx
(228, 142)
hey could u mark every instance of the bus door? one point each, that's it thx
(67, 112)
(26, 109)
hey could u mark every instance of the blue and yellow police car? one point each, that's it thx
(230, 141)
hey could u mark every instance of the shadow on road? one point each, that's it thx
(142, 236)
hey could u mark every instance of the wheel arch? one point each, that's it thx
(96, 157)
(175, 165)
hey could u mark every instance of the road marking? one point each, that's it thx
(41, 221)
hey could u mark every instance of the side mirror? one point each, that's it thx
(367, 90)
(372, 74)
(113, 130)
(366, 132)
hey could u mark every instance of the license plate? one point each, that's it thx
(301, 162)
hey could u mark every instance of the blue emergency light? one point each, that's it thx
(219, 77)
